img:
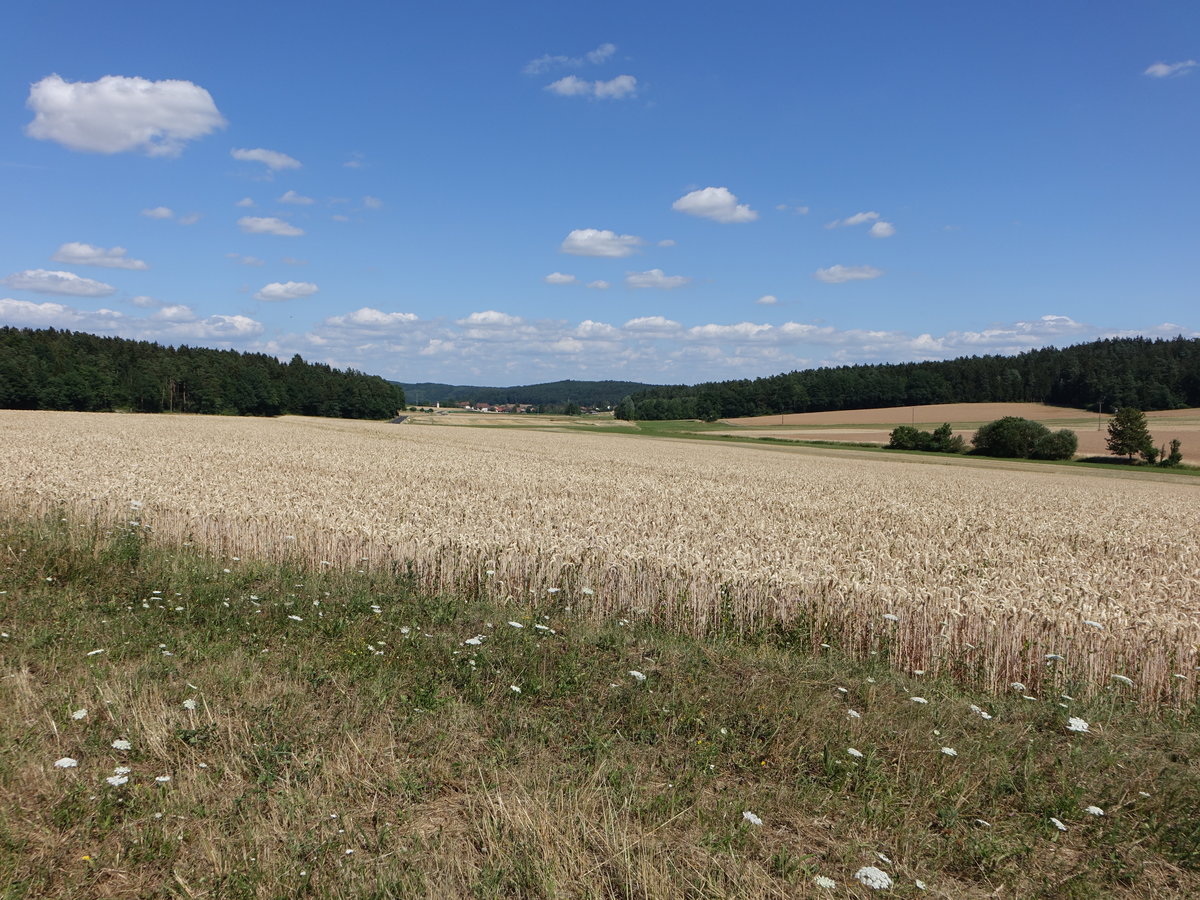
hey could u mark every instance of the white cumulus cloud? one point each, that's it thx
(547, 62)
(175, 312)
(245, 202)
(716, 203)
(77, 254)
(171, 323)
(882, 230)
(373, 319)
(839, 274)
(297, 199)
(489, 317)
(287, 290)
(614, 89)
(652, 324)
(857, 219)
(655, 278)
(599, 285)
(559, 278)
(372, 202)
(159, 212)
(272, 159)
(1166, 70)
(767, 300)
(268, 225)
(117, 114)
(600, 242)
(41, 281)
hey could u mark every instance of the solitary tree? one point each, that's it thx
(1128, 434)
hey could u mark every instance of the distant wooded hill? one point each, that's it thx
(51, 369)
(581, 393)
(1140, 372)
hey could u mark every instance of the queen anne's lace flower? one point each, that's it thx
(875, 879)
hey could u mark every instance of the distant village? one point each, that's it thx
(571, 409)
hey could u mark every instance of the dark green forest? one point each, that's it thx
(52, 369)
(1149, 374)
(581, 393)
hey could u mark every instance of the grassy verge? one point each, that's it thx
(301, 733)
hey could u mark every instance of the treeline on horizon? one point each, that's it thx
(66, 370)
(1148, 374)
(581, 393)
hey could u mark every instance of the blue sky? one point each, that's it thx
(503, 194)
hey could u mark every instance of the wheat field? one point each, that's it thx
(1050, 579)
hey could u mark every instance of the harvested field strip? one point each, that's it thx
(988, 573)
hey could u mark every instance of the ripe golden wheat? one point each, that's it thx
(987, 571)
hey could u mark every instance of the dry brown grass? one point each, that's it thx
(988, 570)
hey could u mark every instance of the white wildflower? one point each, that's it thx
(949, 751)
(117, 780)
(857, 754)
(1055, 657)
(919, 883)
(122, 770)
(189, 703)
(475, 641)
(79, 714)
(121, 744)
(918, 699)
(884, 858)
(875, 879)
(295, 618)
(162, 779)
(1057, 824)
(637, 676)
(1128, 682)
(1093, 810)
(514, 689)
(1018, 686)
(1077, 724)
(751, 818)
(516, 624)
(891, 617)
(853, 714)
(983, 714)
(66, 763)
(822, 882)
(1092, 624)
(983, 823)
(94, 652)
